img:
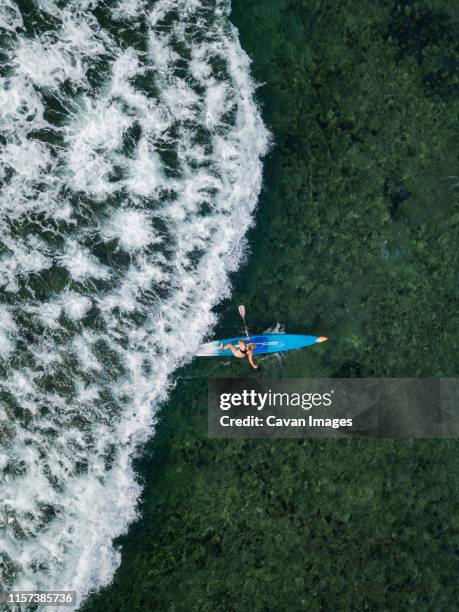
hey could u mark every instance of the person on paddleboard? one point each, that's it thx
(241, 350)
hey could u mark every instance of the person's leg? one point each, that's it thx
(232, 348)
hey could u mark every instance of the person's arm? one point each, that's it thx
(251, 361)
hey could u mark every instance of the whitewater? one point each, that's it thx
(130, 167)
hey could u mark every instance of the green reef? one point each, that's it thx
(356, 238)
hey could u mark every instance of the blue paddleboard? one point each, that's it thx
(269, 343)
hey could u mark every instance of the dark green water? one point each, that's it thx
(356, 238)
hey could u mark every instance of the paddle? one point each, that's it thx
(241, 309)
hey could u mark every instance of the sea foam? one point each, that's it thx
(130, 166)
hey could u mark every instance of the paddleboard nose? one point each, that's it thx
(321, 339)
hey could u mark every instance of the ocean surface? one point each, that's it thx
(355, 238)
(130, 167)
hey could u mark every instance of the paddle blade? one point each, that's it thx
(242, 311)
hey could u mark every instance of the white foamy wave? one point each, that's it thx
(131, 228)
(10, 16)
(278, 328)
(130, 169)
